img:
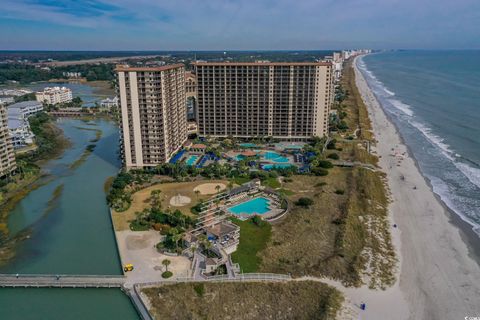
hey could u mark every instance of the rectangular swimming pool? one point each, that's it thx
(254, 206)
(191, 160)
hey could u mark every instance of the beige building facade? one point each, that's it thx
(153, 112)
(289, 101)
(54, 95)
(7, 156)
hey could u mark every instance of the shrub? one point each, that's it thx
(321, 184)
(304, 202)
(342, 125)
(325, 164)
(199, 289)
(167, 274)
(319, 171)
(333, 156)
(139, 225)
(339, 191)
(331, 144)
(257, 221)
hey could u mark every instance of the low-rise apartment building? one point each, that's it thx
(54, 95)
(18, 124)
(153, 112)
(7, 156)
(285, 100)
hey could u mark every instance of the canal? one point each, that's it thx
(69, 231)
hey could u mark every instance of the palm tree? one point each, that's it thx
(177, 238)
(166, 263)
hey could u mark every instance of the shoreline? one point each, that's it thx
(433, 257)
(469, 236)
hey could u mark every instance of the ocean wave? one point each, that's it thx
(434, 139)
(388, 91)
(405, 108)
(472, 174)
(441, 189)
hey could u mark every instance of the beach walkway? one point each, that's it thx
(61, 281)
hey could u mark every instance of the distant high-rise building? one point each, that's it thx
(54, 95)
(289, 100)
(154, 114)
(7, 156)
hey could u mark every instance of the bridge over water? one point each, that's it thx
(120, 281)
(61, 281)
(75, 281)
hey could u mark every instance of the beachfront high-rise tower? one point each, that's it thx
(7, 156)
(154, 114)
(286, 100)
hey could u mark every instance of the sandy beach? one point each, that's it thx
(438, 279)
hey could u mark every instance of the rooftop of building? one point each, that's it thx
(24, 104)
(261, 63)
(127, 68)
(50, 89)
(222, 229)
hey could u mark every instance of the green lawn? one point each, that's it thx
(253, 239)
(240, 180)
(272, 183)
(286, 192)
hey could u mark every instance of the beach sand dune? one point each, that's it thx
(438, 278)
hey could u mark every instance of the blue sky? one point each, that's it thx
(238, 24)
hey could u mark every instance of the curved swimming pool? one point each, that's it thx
(258, 205)
(275, 157)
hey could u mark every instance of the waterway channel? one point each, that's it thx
(70, 232)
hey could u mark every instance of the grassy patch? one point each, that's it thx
(342, 237)
(285, 192)
(240, 180)
(253, 238)
(357, 115)
(244, 300)
(272, 183)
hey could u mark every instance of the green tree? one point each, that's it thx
(166, 263)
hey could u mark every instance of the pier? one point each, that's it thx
(61, 281)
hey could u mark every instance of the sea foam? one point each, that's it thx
(405, 108)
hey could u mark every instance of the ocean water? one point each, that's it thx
(433, 97)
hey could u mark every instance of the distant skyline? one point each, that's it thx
(238, 24)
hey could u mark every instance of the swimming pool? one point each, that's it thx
(239, 157)
(247, 145)
(275, 157)
(255, 206)
(191, 160)
(276, 166)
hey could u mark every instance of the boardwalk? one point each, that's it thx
(61, 281)
(112, 281)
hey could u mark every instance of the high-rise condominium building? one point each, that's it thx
(154, 114)
(288, 101)
(54, 95)
(7, 156)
